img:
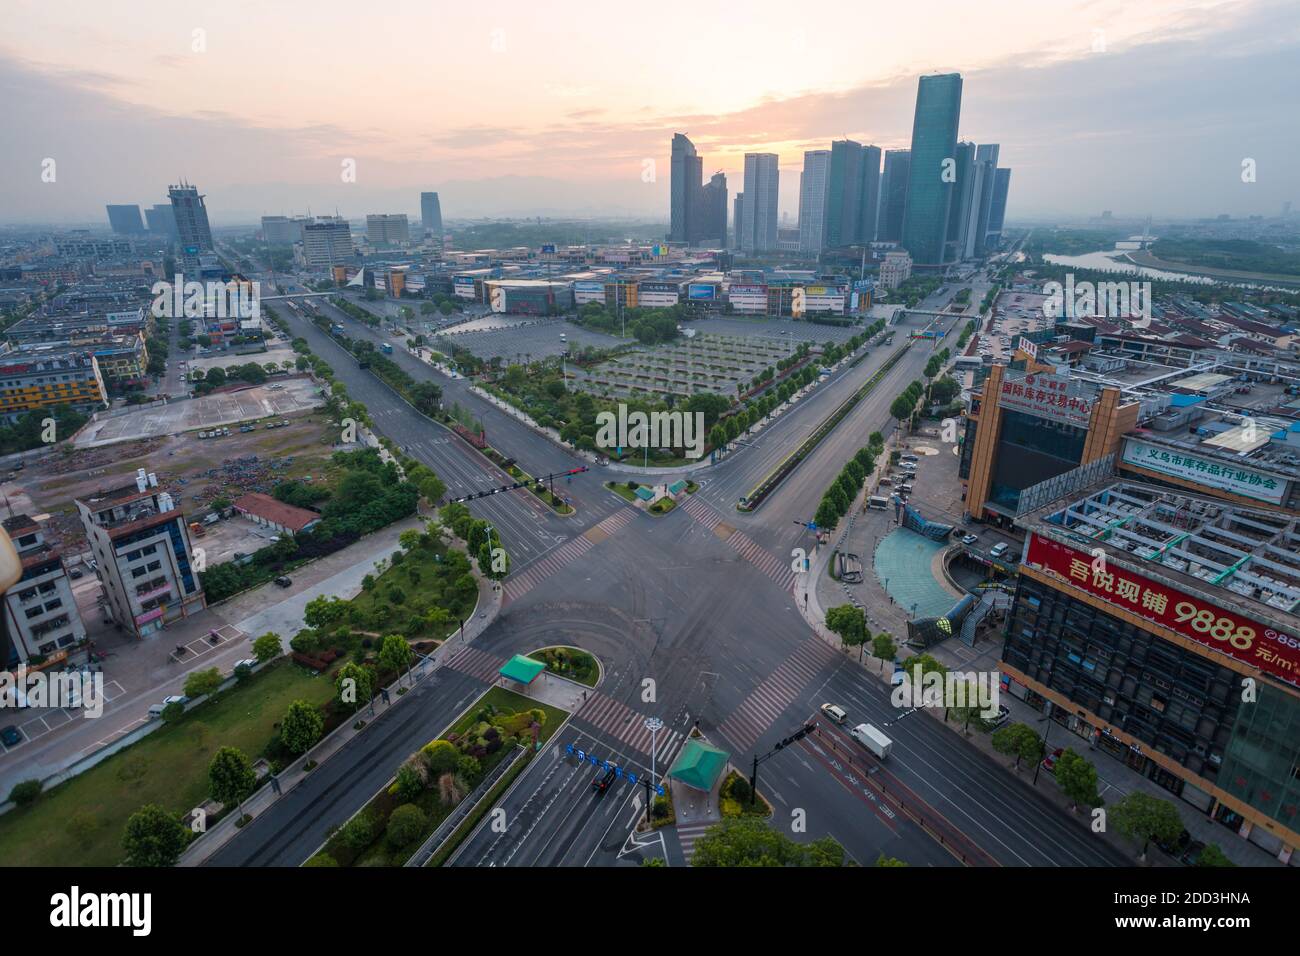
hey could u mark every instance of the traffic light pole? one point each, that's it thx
(799, 734)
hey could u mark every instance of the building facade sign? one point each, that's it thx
(1203, 470)
(1053, 397)
(1241, 638)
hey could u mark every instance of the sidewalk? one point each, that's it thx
(489, 606)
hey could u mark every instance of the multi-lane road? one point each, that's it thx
(694, 620)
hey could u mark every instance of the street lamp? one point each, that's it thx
(1047, 717)
(654, 725)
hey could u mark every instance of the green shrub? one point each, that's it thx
(25, 793)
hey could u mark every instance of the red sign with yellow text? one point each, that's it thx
(1246, 640)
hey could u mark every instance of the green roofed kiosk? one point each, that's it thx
(522, 670)
(699, 765)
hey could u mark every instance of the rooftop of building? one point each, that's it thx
(18, 525)
(276, 511)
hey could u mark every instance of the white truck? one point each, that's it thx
(872, 739)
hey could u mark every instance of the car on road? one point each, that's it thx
(284, 582)
(76, 573)
(11, 736)
(603, 781)
(969, 538)
(157, 709)
(1049, 762)
(999, 549)
(1192, 855)
(835, 713)
(1000, 719)
(908, 458)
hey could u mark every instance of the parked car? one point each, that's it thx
(11, 736)
(1049, 762)
(75, 573)
(835, 713)
(1192, 855)
(999, 549)
(603, 781)
(284, 582)
(1000, 719)
(157, 709)
(969, 538)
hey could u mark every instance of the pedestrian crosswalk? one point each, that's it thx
(622, 722)
(520, 584)
(770, 699)
(688, 834)
(749, 549)
(478, 664)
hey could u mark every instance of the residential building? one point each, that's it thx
(893, 194)
(895, 269)
(930, 183)
(46, 376)
(758, 231)
(41, 616)
(814, 186)
(141, 546)
(125, 220)
(327, 242)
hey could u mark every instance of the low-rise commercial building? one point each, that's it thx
(275, 514)
(47, 376)
(41, 616)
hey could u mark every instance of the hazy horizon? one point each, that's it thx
(487, 109)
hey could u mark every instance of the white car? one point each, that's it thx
(157, 709)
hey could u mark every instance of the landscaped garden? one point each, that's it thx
(571, 662)
(429, 785)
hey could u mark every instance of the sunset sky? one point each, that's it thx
(1137, 107)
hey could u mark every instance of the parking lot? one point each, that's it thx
(227, 408)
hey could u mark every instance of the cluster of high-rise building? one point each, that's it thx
(941, 200)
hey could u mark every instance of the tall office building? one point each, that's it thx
(162, 221)
(844, 194)
(686, 187)
(893, 194)
(986, 155)
(192, 230)
(714, 211)
(978, 182)
(282, 230)
(814, 186)
(431, 215)
(929, 186)
(737, 219)
(125, 220)
(327, 243)
(962, 195)
(869, 193)
(387, 229)
(998, 207)
(762, 186)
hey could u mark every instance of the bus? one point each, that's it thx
(877, 503)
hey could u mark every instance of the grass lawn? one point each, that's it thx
(507, 701)
(571, 662)
(621, 489)
(80, 823)
(423, 581)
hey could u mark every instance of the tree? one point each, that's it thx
(883, 860)
(1078, 779)
(352, 683)
(440, 756)
(826, 515)
(395, 654)
(883, 646)
(267, 647)
(1212, 855)
(409, 783)
(849, 623)
(746, 841)
(24, 794)
(1141, 818)
(200, 683)
(405, 825)
(1020, 741)
(301, 727)
(230, 776)
(324, 612)
(154, 837)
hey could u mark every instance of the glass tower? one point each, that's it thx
(930, 185)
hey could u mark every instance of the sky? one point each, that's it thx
(522, 109)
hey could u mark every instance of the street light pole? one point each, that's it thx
(654, 725)
(1047, 717)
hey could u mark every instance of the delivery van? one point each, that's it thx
(872, 739)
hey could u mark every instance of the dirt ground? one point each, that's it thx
(196, 471)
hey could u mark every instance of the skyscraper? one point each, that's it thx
(844, 194)
(929, 186)
(962, 195)
(998, 207)
(388, 229)
(762, 185)
(162, 221)
(814, 185)
(192, 230)
(714, 207)
(327, 243)
(431, 215)
(737, 219)
(125, 220)
(893, 194)
(986, 155)
(686, 185)
(869, 194)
